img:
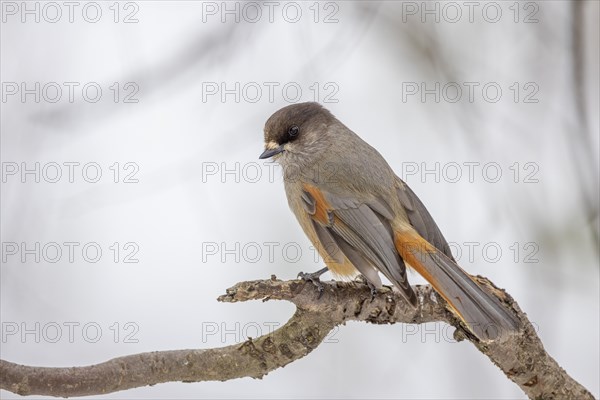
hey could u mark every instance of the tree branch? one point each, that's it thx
(522, 357)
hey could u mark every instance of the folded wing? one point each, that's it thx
(420, 218)
(358, 232)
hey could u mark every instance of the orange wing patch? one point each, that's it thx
(322, 207)
(322, 215)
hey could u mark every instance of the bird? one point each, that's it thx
(364, 220)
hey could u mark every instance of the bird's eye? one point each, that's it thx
(293, 131)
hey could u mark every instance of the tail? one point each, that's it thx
(482, 312)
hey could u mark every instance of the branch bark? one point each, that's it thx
(522, 357)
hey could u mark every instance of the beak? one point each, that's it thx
(268, 153)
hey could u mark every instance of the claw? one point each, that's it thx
(314, 279)
(372, 287)
(373, 291)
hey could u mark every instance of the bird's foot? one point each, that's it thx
(372, 287)
(314, 279)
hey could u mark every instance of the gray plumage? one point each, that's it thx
(357, 212)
